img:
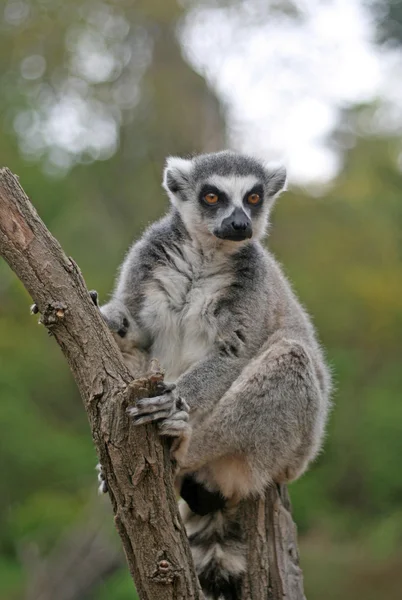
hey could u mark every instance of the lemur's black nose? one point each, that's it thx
(236, 227)
(239, 225)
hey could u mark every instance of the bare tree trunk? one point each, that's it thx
(135, 461)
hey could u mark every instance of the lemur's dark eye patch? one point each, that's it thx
(255, 196)
(211, 196)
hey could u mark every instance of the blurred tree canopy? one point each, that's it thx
(92, 166)
(389, 17)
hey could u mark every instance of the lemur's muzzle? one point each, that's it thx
(236, 227)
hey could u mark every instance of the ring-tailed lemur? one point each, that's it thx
(201, 294)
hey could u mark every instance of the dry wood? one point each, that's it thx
(135, 461)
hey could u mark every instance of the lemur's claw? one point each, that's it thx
(34, 309)
(94, 296)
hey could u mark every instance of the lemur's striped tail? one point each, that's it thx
(215, 539)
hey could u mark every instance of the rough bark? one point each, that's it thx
(136, 463)
(273, 571)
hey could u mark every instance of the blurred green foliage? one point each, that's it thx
(342, 249)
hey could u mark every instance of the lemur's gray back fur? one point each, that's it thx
(201, 294)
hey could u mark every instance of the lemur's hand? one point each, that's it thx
(169, 411)
(115, 317)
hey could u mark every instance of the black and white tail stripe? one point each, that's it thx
(215, 539)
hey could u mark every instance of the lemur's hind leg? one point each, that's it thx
(262, 430)
(265, 428)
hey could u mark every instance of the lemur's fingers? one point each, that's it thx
(94, 296)
(151, 417)
(150, 405)
(176, 425)
(102, 489)
(172, 414)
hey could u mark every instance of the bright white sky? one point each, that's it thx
(284, 81)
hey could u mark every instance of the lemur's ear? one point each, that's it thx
(176, 174)
(276, 180)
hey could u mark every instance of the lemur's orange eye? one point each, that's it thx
(211, 198)
(253, 198)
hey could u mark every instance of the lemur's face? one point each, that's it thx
(224, 195)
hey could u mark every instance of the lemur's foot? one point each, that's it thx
(102, 489)
(169, 411)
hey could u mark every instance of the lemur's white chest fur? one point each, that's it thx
(179, 307)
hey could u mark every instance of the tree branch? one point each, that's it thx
(136, 463)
